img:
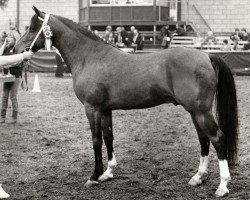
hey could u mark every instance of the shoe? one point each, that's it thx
(3, 194)
(14, 117)
(13, 121)
(2, 118)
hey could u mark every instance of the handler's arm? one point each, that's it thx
(8, 60)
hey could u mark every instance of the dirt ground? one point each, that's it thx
(48, 154)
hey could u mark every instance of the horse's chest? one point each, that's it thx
(91, 92)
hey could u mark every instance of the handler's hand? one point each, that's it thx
(27, 55)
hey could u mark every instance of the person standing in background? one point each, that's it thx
(165, 37)
(108, 31)
(3, 36)
(14, 31)
(10, 88)
(131, 34)
(137, 42)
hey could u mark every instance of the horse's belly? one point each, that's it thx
(139, 104)
(138, 98)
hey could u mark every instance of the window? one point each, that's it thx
(101, 2)
(120, 2)
(133, 2)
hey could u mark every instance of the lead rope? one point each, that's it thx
(24, 82)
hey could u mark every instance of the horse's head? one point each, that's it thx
(34, 31)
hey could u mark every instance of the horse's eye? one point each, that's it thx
(31, 29)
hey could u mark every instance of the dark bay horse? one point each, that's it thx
(107, 79)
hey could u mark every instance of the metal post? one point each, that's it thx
(18, 15)
(154, 10)
(88, 10)
(80, 9)
(154, 34)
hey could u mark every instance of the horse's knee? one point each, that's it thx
(97, 143)
(108, 137)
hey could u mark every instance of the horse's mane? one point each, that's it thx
(78, 28)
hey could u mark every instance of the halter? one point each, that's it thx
(46, 32)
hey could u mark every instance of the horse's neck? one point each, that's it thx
(74, 49)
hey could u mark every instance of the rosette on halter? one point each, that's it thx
(47, 34)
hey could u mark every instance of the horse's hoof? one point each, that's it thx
(221, 192)
(194, 182)
(105, 177)
(90, 183)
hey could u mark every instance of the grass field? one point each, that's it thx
(49, 155)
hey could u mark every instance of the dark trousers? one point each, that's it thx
(10, 89)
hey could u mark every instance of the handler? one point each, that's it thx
(8, 60)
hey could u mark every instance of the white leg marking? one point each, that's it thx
(3, 194)
(224, 179)
(197, 178)
(108, 174)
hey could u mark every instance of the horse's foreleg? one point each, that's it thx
(203, 166)
(107, 129)
(94, 117)
(207, 123)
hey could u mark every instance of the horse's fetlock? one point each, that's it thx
(202, 172)
(226, 178)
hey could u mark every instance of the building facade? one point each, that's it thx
(203, 15)
(218, 15)
(20, 11)
(151, 13)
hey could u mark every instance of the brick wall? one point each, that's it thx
(63, 8)
(221, 15)
(6, 15)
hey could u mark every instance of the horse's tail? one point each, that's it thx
(226, 108)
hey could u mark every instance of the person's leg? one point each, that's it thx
(13, 96)
(5, 98)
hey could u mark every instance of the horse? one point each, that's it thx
(106, 79)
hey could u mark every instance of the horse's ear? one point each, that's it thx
(38, 12)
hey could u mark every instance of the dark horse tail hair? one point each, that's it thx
(226, 108)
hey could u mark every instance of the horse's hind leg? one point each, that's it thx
(107, 129)
(94, 117)
(207, 124)
(204, 142)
